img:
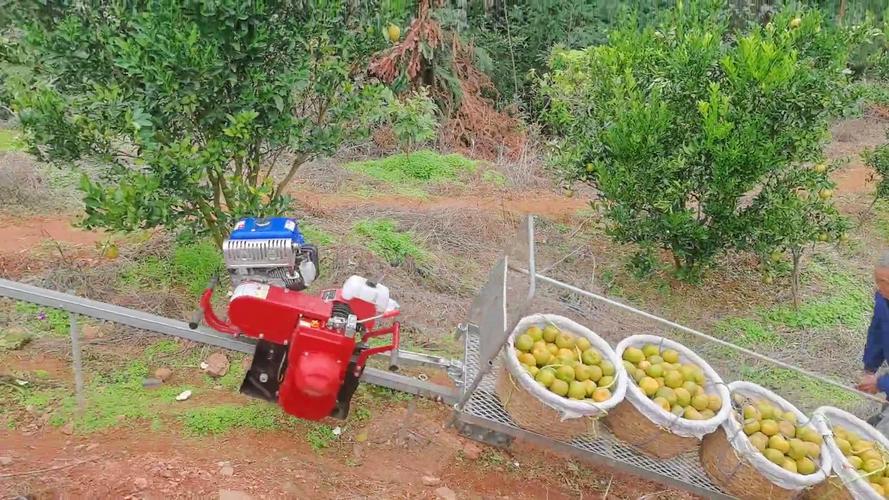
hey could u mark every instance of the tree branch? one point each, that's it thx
(226, 192)
(272, 164)
(298, 160)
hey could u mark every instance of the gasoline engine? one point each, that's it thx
(311, 349)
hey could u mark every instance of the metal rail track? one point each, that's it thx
(166, 326)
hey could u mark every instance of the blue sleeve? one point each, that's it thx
(873, 349)
(883, 384)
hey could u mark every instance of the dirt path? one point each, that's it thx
(850, 138)
(543, 203)
(406, 452)
(27, 234)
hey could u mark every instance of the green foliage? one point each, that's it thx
(878, 159)
(112, 398)
(412, 118)
(422, 166)
(699, 138)
(183, 105)
(873, 53)
(163, 347)
(191, 266)
(384, 393)
(320, 436)
(390, 244)
(872, 93)
(9, 140)
(221, 419)
(519, 36)
(44, 319)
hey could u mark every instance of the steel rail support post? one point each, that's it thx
(77, 361)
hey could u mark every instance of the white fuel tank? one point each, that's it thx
(357, 287)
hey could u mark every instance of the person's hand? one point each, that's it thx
(868, 383)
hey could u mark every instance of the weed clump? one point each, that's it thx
(221, 419)
(418, 167)
(388, 243)
(191, 266)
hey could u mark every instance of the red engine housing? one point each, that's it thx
(322, 364)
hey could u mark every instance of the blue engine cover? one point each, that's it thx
(267, 228)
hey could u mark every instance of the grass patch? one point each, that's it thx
(746, 332)
(320, 436)
(190, 266)
(848, 303)
(383, 393)
(10, 140)
(315, 235)
(221, 419)
(494, 177)
(111, 399)
(418, 167)
(881, 219)
(388, 243)
(873, 93)
(800, 388)
(161, 348)
(44, 319)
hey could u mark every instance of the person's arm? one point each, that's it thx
(873, 348)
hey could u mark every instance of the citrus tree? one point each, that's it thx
(187, 107)
(694, 133)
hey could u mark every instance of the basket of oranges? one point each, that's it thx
(558, 377)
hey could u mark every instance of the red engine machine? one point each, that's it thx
(311, 349)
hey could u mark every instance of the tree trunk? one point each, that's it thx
(842, 13)
(211, 223)
(797, 253)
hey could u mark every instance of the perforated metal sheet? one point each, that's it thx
(485, 405)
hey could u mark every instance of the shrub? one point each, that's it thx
(186, 104)
(697, 136)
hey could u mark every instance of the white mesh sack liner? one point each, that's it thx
(664, 419)
(826, 417)
(742, 445)
(569, 408)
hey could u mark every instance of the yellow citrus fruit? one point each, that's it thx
(649, 386)
(394, 33)
(768, 427)
(601, 394)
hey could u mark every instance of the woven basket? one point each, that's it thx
(845, 483)
(734, 474)
(534, 408)
(646, 426)
(531, 414)
(740, 469)
(830, 489)
(628, 425)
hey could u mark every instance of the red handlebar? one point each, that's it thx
(395, 330)
(210, 316)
